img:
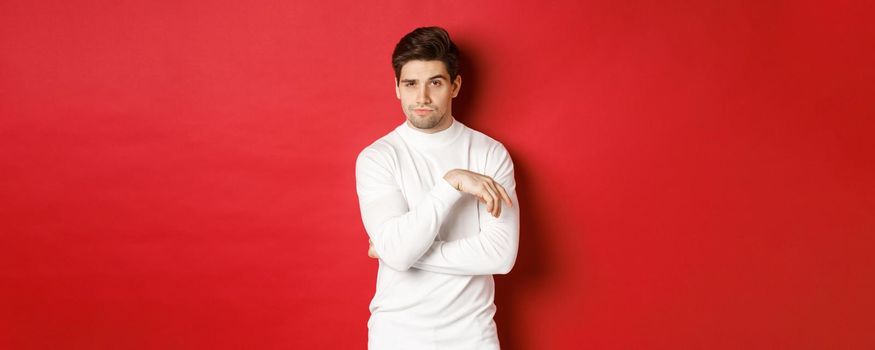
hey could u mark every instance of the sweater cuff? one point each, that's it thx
(445, 192)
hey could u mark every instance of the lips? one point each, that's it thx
(422, 111)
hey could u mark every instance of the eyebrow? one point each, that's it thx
(439, 76)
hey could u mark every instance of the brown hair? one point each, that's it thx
(427, 44)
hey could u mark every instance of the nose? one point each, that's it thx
(422, 95)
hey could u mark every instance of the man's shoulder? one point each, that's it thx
(382, 149)
(483, 142)
(491, 155)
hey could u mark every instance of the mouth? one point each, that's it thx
(422, 111)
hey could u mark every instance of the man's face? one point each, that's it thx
(426, 94)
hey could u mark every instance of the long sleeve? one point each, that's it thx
(399, 234)
(494, 249)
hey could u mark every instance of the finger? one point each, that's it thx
(484, 196)
(497, 197)
(493, 200)
(504, 194)
(487, 199)
(489, 207)
(490, 201)
(497, 200)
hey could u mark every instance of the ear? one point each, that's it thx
(457, 84)
(397, 91)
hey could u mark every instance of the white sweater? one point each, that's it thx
(438, 247)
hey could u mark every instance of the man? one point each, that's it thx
(438, 201)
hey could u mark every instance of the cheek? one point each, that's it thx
(405, 98)
(445, 97)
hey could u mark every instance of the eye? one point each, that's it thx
(409, 83)
(436, 82)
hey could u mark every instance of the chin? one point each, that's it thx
(425, 123)
(419, 122)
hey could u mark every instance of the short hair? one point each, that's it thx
(426, 44)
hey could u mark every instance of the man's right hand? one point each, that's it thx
(481, 186)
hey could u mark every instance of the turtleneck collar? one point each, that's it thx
(438, 139)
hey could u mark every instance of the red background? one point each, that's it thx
(692, 175)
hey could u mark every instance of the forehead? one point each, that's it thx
(418, 69)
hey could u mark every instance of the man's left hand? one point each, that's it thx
(371, 251)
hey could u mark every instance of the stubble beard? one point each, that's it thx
(426, 122)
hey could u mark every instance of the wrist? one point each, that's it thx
(450, 179)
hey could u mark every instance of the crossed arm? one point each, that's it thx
(404, 238)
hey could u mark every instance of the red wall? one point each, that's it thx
(692, 176)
